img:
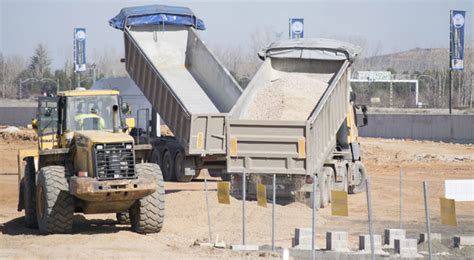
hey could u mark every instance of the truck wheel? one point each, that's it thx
(155, 156)
(166, 166)
(29, 189)
(147, 214)
(323, 186)
(123, 218)
(360, 186)
(179, 169)
(54, 204)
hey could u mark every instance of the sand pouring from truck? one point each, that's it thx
(86, 163)
(228, 132)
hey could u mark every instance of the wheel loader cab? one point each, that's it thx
(84, 163)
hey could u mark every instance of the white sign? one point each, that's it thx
(374, 75)
(459, 190)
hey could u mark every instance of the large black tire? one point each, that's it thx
(147, 214)
(179, 169)
(29, 195)
(123, 217)
(361, 185)
(166, 166)
(55, 206)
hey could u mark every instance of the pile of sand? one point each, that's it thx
(292, 96)
(11, 134)
(165, 131)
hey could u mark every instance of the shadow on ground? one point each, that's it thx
(81, 225)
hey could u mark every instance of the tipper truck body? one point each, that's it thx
(210, 116)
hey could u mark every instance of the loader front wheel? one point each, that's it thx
(54, 204)
(29, 181)
(147, 214)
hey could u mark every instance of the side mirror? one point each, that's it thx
(34, 123)
(126, 109)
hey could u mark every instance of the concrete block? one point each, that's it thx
(244, 247)
(407, 248)
(337, 241)
(220, 245)
(460, 241)
(434, 237)
(391, 234)
(302, 238)
(364, 245)
(364, 242)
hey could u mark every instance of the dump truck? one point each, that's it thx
(184, 82)
(323, 143)
(209, 114)
(86, 163)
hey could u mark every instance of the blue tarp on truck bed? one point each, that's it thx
(157, 15)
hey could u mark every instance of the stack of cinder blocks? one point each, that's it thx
(405, 247)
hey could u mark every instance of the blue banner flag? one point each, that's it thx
(296, 28)
(457, 39)
(79, 49)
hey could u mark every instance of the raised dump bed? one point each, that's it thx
(178, 74)
(287, 118)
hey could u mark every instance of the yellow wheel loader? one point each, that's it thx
(87, 163)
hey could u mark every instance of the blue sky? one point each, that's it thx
(385, 25)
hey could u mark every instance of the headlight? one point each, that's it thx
(128, 146)
(99, 147)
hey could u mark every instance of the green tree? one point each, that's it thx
(38, 68)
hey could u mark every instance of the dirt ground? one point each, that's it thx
(186, 218)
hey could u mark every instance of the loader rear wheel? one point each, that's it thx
(29, 181)
(360, 186)
(123, 217)
(166, 164)
(147, 214)
(54, 204)
(179, 169)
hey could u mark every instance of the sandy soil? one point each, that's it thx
(186, 218)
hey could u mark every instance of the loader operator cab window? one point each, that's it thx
(90, 113)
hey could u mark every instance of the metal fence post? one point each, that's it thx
(369, 209)
(427, 214)
(401, 197)
(273, 211)
(208, 210)
(243, 206)
(313, 226)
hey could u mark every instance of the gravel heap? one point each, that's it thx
(292, 96)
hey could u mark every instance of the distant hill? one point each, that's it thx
(413, 60)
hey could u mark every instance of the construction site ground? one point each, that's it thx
(186, 217)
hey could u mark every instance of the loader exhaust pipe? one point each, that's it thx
(115, 118)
